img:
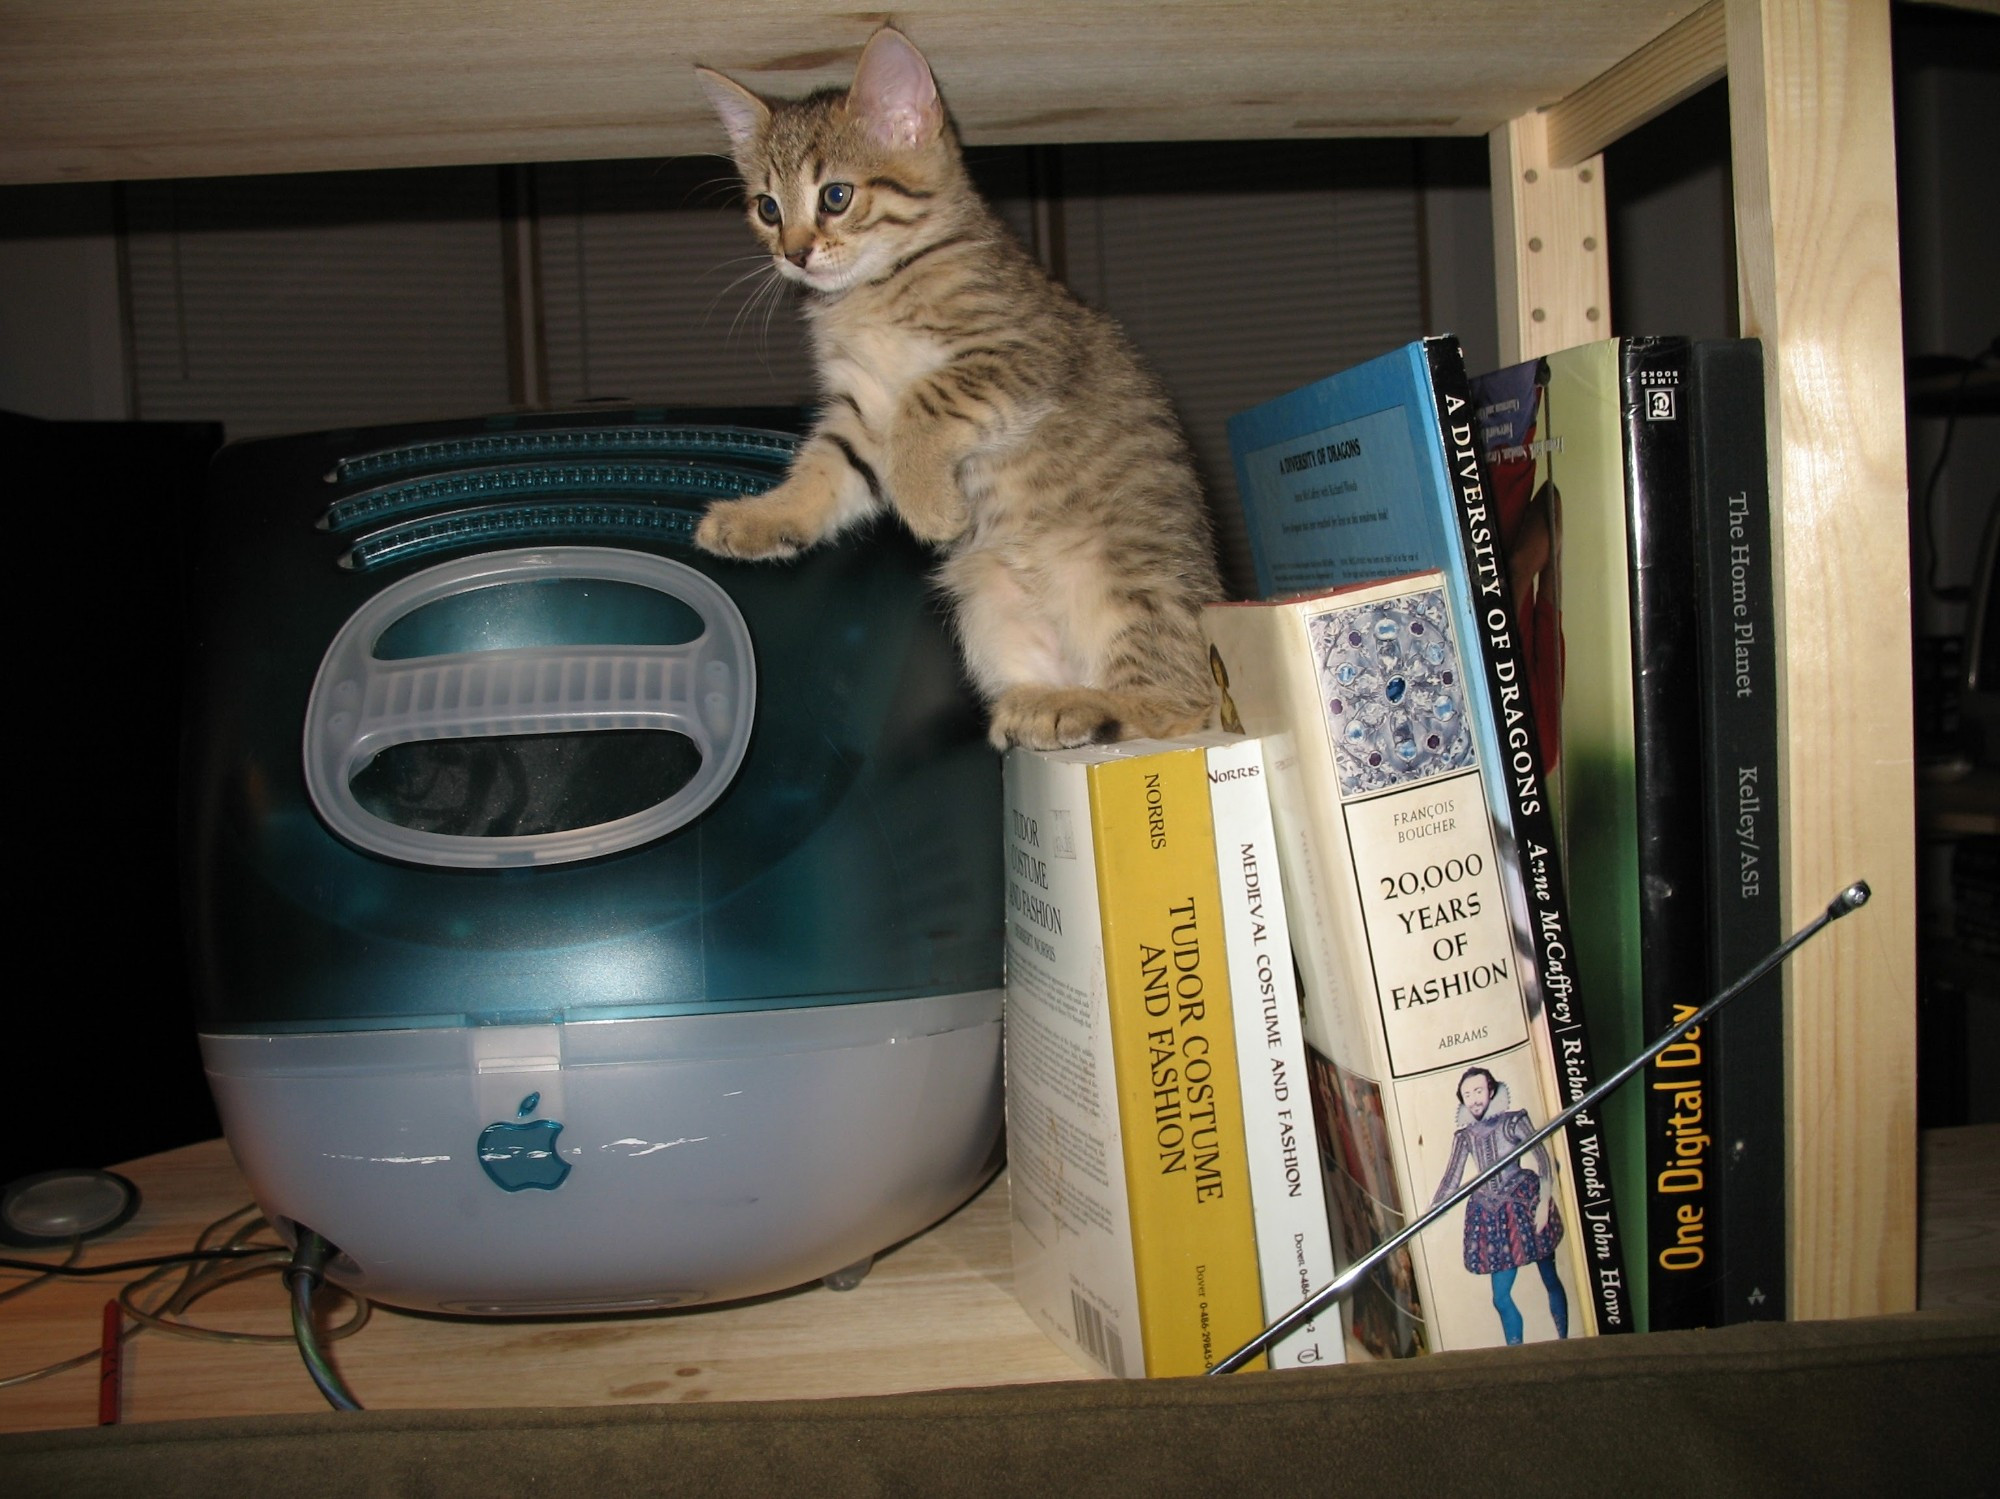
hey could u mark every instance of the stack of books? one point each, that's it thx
(1167, 1202)
(1631, 478)
(1491, 806)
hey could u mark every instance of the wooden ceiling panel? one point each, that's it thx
(101, 89)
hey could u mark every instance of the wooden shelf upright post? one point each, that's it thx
(1548, 243)
(1818, 280)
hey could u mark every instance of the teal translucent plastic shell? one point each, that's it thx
(852, 855)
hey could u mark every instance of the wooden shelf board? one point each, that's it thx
(936, 1312)
(105, 89)
(1961, 1220)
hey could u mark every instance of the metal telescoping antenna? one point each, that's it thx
(1853, 898)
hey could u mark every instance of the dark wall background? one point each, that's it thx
(104, 1067)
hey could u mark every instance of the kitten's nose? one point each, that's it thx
(799, 256)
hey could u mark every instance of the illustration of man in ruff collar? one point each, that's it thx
(1508, 1221)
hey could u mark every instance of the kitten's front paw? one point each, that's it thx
(750, 530)
(1065, 717)
(1048, 718)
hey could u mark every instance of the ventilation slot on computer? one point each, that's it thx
(743, 443)
(689, 481)
(501, 525)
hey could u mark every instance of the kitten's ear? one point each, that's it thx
(894, 93)
(743, 113)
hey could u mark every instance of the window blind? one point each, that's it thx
(1240, 269)
(278, 304)
(654, 289)
(1244, 270)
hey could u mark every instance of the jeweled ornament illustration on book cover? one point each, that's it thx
(1392, 685)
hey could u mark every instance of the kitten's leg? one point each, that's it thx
(937, 427)
(1117, 665)
(1003, 635)
(1006, 640)
(1144, 667)
(1135, 613)
(830, 487)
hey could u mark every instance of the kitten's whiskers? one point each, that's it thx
(761, 265)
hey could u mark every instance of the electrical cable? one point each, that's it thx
(65, 1366)
(148, 1303)
(213, 1275)
(303, 1276)
(49, 1272)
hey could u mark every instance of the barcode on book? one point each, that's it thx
(1097, 1337)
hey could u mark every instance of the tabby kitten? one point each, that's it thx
(1003, 422)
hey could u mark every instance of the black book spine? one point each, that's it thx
(1679, 1086)
(1735, 604)
(1534, 841)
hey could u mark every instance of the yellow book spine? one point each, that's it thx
(1187, 1170)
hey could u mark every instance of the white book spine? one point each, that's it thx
(1072, 1227)
(1294, 1240)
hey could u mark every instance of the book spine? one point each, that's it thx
(1673, 942)
(1263, 656)
(1735, 604)
(1553, 430)
(1173, 1041)
(1294, 1243)
(1533, 842)
(1070, 1225)
(1412, 964)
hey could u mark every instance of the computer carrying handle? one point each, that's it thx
(362, 704)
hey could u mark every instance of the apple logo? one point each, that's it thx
(519, 1153)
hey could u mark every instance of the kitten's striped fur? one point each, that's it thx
(1003, 421)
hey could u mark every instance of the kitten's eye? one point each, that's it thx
(835, 196)
(767, 208)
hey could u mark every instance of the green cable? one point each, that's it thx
(302, 1277)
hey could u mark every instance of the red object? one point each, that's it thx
(110, 1365)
